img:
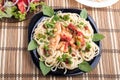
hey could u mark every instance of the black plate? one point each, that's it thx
(35, 57)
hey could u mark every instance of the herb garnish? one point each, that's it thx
(98, 37)
(32, 45)
(65, 58)
(45, 69)
(47, 10)
(83, 14)
(84, 66)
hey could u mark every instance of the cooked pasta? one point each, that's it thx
(65, 40)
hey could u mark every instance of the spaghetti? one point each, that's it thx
(65, 40)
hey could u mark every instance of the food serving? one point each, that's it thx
(64, 41)
(17, 9)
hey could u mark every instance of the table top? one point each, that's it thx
(15, 60)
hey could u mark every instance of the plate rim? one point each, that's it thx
(97, 58)
(97, 4)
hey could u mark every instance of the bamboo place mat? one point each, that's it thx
(15, 60)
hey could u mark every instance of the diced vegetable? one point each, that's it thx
(65, 58)
(50, 33)
(41, 36)
(71, 27)
(46, 47)
(21, 6)
(19, 15)
(78, 33)
(49, 25)
(88, 46)
(82, 40)
(66, 17)
(65, 38)
(17, 8)
(33, 6)
(60, 59)
(70, 49)
(8, 11)
(46, 50)
(78, 43)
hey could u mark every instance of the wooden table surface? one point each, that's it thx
(16, 62)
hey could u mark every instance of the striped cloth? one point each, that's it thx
(15, 60)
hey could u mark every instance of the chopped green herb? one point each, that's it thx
(66, 17)
(50, 32)
(83, 14)
(2, 14)
(60, 59)
(81, 23)
(41, 58)
(45, 69)
(41, 40)
(68, 60)
(8, 12)
(65, 58)
(46, 42)
(88, 46)
(70, 49)
(46, 47)
(47, 54)
(98, 37)
(46, 50)
(49, 25)
(84, 66)
(41, 36)
(78, 43)
(19, 15)
(33, 6)
(32, 45)
(83, 51)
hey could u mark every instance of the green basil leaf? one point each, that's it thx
(98, 37)
(47, 10)
(45, 70)
(84, 66)
(83, 14)
(32, 45)
(55, 18)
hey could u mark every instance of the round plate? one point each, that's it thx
(97, 4)
(35, 57)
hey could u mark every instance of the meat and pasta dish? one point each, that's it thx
(65, 40)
